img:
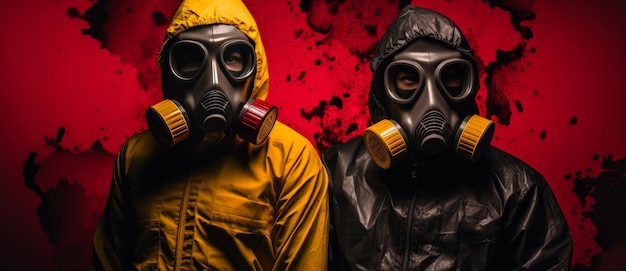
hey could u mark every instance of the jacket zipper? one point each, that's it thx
(407, 246)
(180, 233)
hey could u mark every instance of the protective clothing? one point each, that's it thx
(447, 213)
(233, 205)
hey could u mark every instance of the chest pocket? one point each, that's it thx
(239, 214)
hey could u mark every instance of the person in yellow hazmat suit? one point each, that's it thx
(216, 183)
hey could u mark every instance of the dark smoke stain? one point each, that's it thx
(29, 171)
(336, 101)
(351, 128)
(60, 134)
(56, 141)
(68, 214)
(132, 31)
(317, 111)
(331, 124)
(496, 81)
(327, 138)
(357, 26)
(96, 16)
(371, 29)
(543, 134)
(573, 121)
(607, 210)
(337, 20)
(63, 218)
(404, 3)
(520, 14)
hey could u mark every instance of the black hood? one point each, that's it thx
(415, 23)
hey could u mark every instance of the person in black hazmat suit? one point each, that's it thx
(423, 189)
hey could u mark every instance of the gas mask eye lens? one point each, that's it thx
(233, 62)
(187, 59)
(402, 81)
(407, 80)
(238, 59)
(453, 78)
(456, 78)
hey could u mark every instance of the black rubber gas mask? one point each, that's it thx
(207, 76)
(424, 88)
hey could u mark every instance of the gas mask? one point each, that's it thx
(207, 76)
(425, 89)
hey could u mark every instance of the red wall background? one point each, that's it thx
(77, 76)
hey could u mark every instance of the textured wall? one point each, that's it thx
(77, 76)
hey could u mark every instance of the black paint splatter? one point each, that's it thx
(520, 13)
(608, 210)
(497, 100)
(60, 134)
(518, 105)
(67, 213)
(301, 75)
(336, 101)
(351, 128)
(337, 20)
(72, 12)
(28, 173)
(159, 18)
(330, 129)
(315, 112)
(96, 16)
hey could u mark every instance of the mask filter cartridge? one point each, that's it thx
(256, 121)
(386, 143)
(168, 122)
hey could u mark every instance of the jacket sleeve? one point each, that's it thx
(300, 231)
(110, 250)
(537, 237)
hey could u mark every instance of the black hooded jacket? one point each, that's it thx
(495, 214)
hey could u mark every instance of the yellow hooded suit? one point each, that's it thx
(234, 206)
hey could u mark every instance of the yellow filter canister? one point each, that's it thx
(385, 143)
(475, 137)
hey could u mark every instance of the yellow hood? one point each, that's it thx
(233, 12)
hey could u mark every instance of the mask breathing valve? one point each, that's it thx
(432, 132)
(218, 111)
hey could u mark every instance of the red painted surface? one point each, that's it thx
(76, 85)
